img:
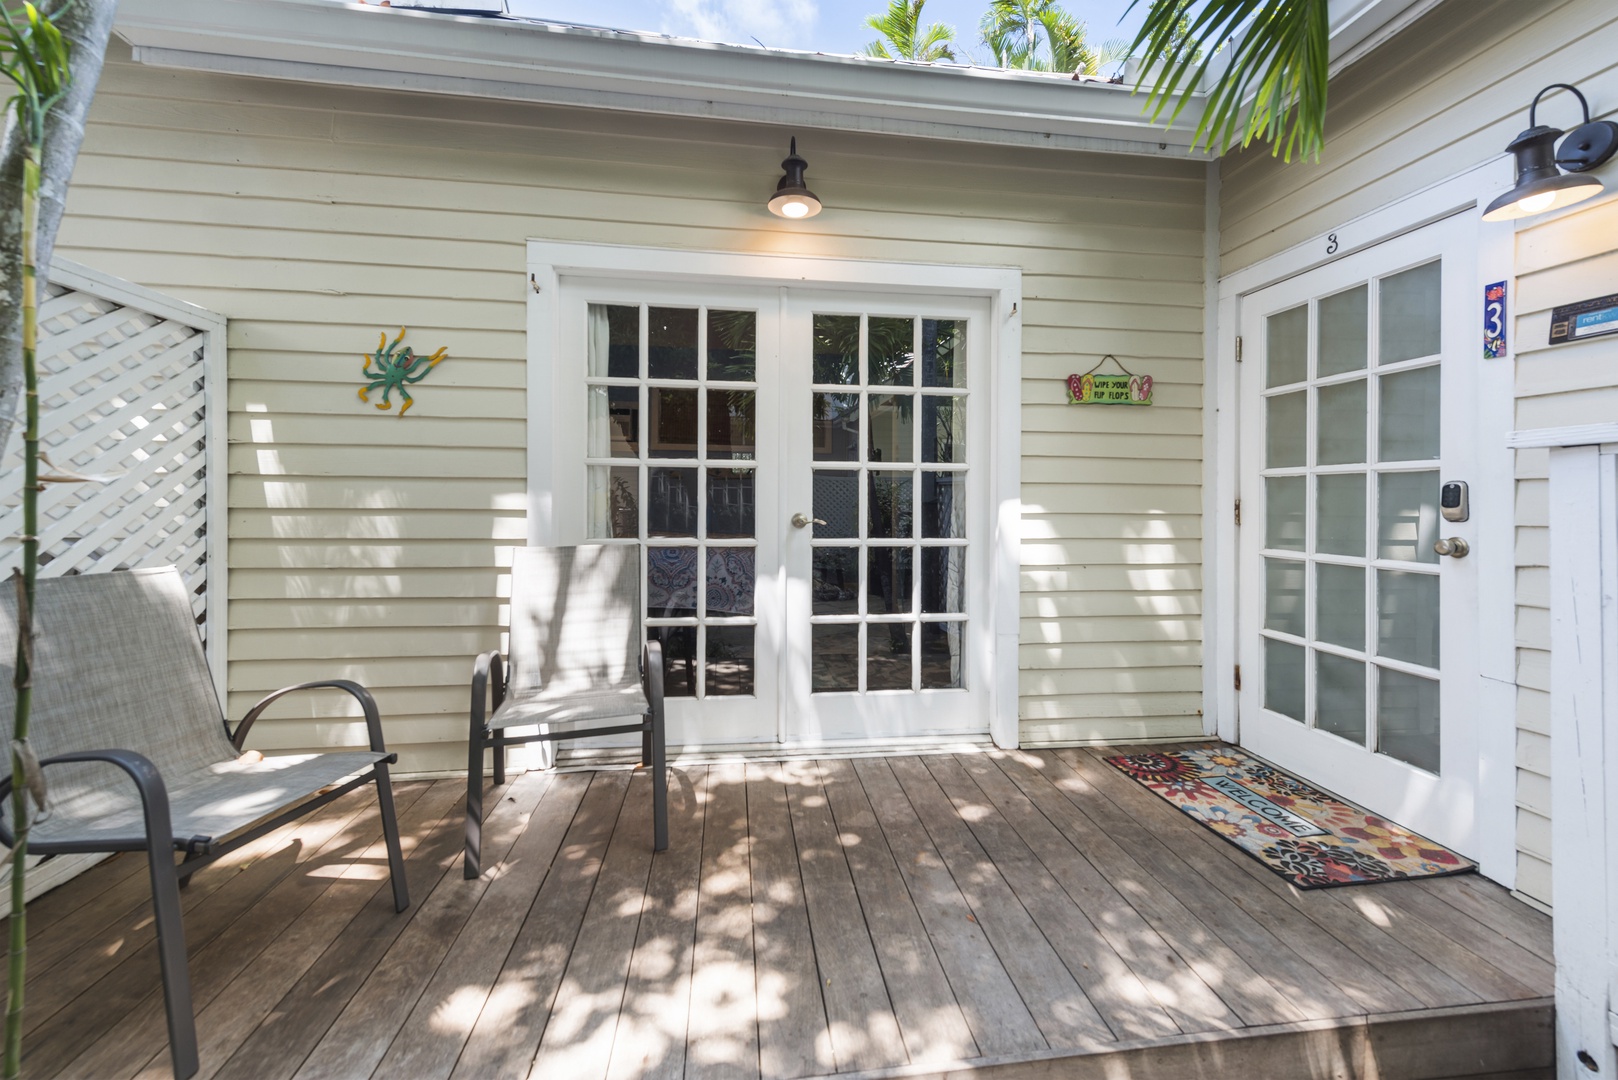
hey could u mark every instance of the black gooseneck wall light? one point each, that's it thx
(792, 199)
(1541, 183)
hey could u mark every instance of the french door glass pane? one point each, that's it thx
(1407, 516)
(732, 431)
(888, 580)
(730, 582)
(837, 503)
(614, 341)
(1410, 416)
(835, 657)
(1407, 616)
(1284, 512)
(1284, 678)
(1340, 514)
(1340, 605)
(943, 505)
(891, 351)
(835, 582)
(943, 353)
(837, 350)
(892, 427)
(836, 421)
(1283, 596)
(1407, 718)
(943, 580)
(943, 429)
(671, 502)
(731, 660)
(1341, 424)
(614, 427)
(614, 506)
(1411, 309)
(674, 423)
(671, 582)
(731, 503)
(733, 345)
(1287, 346)
(1341, 343)
(887, 658)
(1340, 691)
(943, 655)
(671, 343)
(1285, 430)
(679, 658)
(892, 509)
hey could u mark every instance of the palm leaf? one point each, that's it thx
(1274, 89)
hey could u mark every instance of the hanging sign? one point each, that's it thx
(1494, 321)
(1093, 388)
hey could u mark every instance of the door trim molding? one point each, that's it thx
(1495, 487)
(550, 261)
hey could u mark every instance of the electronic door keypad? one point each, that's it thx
(1453, 501)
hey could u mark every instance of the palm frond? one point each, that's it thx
(1274, 87)
(903, 37)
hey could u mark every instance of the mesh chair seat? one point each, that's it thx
(207, 804)
(571, 706)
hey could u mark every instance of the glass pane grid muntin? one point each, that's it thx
(646, 460)
(861, 468)
(1372, 374)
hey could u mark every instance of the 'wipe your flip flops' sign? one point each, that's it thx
(1093, 388)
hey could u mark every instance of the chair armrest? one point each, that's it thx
(154, 793)
(488, 669)
(651, 672)
(373, 718)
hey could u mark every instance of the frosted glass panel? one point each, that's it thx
(1284, 512)
(1340, 514)
(1283, 596)
(1288, 346)
(1341, 423)
(1407, 719)
(1407, 516)
(1340, 696)
(1284, 434)
(1342, 332)
(1340, 605)
(1410, 316)
(1407, 616)
(1284, 678)
(1410, 416)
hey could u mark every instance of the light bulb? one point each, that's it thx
(794, 209)
(1535, 203)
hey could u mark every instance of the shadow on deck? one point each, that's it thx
(1003, 915)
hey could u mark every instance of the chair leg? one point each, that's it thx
(472, 865)
(390, 833)
(646, 745)
(660, 782)
(172, 958)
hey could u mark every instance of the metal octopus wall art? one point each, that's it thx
(395, 369)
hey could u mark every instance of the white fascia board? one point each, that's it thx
(1355, 28)
(363, 45)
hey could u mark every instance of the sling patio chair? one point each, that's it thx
(573, 671)
(137, 756)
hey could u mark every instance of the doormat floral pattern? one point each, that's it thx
(1311, 838)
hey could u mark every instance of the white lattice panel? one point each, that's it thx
(122, 392)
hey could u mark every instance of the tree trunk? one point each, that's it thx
(86, 25)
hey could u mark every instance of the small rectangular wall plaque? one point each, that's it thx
(1093, 389)
(1585, 319)
(1494, 321)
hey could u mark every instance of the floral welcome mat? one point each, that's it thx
(1312, 839)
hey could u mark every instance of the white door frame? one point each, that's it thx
(549, 262)
(1493, 491)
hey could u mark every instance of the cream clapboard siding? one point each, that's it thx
(375, 548)
(1448, 94)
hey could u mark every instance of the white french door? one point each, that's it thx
(700, 422)
(1358, 637)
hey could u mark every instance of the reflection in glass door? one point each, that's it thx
(1358, 651)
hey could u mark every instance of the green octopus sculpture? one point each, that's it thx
(395, 369)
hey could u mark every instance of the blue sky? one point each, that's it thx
(817, 25)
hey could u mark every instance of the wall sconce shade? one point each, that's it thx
(792, 198)
(1541, 184)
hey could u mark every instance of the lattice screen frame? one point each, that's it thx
(170, 318)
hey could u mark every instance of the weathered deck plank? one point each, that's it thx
(1008, 915)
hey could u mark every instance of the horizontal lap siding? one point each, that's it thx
(1438, 99)
(377, 548)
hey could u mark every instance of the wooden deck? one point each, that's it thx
(1010, 915)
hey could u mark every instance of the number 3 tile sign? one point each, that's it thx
(1494, 321)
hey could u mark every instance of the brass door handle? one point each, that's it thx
(1454, 547)
(803, 521)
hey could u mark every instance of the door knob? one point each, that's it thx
(803, 521)
(1454, 547)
